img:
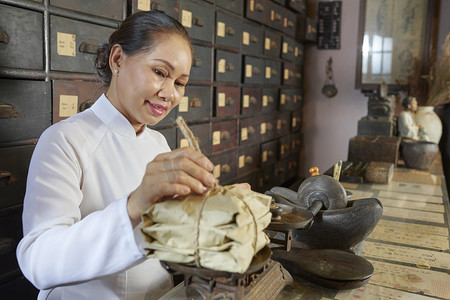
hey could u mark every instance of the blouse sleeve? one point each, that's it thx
(59, 247)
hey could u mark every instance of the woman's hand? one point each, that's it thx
(179, 172)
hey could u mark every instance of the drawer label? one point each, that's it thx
(244, 134)
(66, 44)
(265, 100)
(245, 38)
(268, 72)
(186, 18)
(241, 161)
(143, 5)
(221, 100)
(216, 171)
(220, 29)
(221, 65)
(267, 44)
(184, 104)
(294, 122)
(264, 156)
(279, 124)
(252, 5)
(216, 138)
(286, 74)
(184, 143)
(296, 51)
(248, 71)
(246, 101)
(285, 47)
(283, 99)
(68, 105)
(263, 128)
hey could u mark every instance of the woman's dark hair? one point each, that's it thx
(137, 33)
(407, 101)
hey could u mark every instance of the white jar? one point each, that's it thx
(430, 121)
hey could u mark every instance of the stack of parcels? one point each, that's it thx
(221, 230)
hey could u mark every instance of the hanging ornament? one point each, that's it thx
(329, 89)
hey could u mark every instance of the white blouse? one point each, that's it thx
(78, 240)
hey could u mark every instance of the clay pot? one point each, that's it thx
(418, 154)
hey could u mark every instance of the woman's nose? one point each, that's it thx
(167, 90)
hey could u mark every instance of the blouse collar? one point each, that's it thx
(112, 118)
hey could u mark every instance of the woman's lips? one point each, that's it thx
(157, 109)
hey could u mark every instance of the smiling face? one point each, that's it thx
(149, 85)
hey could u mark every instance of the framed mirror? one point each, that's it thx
(395, 39)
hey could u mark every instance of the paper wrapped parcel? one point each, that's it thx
(221, 230)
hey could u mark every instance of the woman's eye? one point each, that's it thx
(160, 73)
(180, 84)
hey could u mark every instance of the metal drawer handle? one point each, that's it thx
(225, 168)
(298, 75)
(254, 39)
(248, 159)
(269, 126)
(198, 21)
(290, 24)
(270, 154)
(280, 171)
(8, 111)
(197, 62)
(288, 99)
(7, 245)
(277, 16)
(253, 100)
(88, 47)
(270, 100)
(230, 31)
(259, 7)
(229, 101)
(225, 135)
(86, 104)
(230, 67)
(6, 177)
(3, 37)
(256, 70)
(274, 72)
(290, 49)
(157, 6)
(251, 130)
(195, 102)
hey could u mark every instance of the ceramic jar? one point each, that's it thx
(418, 154)
(430, 121)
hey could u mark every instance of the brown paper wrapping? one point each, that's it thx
(221, 230)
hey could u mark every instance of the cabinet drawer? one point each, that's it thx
(10, 235)
(169, 7)
(275, 16)
(268, 127)
(228, 66)
(71, 97)
(293, 165)
(21, 38)
(171, 136)
(289, 22)
(253, 70)
(296, 120)
(268, 153)
(227, 101)
(272, 72)
(225, 166)
(283, 123)
(252, 38)
(196, 103)
(235, 6)
(228, 30)
(201, 64)
(290, 99)
(248, 159)
(280, 172)
(292, 74)
(284, 147)
(249, 130)
(74, 44)
(203, 134)
(269, 100)
(290, 49)
(296, 140)
(257, 10)
(272, 43)
(251, 100)
(111, 9)
(198, 19)
(14, 162)
(265, 179)
(224, 135)
(297, 5)
(25, 109)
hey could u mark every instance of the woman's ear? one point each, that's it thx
(116, 58)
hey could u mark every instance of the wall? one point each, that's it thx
(329, 123)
